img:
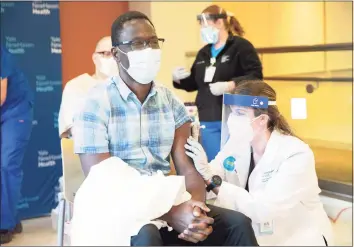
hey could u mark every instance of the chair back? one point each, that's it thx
(73, 176)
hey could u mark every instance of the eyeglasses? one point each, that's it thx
(105, 54)
(154, 43)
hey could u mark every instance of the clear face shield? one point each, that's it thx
(205, 18)
(239, 117)
(209, 33)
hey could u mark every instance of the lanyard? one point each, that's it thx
(212, 61)
(252, 165)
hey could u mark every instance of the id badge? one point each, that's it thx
(209, 74)
(266, 228)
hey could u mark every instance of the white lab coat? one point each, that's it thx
(73, 99)
(283, 191)
(115, 202)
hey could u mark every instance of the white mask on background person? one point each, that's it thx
(143, 64)
(210, 35)
(108, 66)
(240, 128)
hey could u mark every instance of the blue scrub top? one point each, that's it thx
(19, 94)
(215, 52)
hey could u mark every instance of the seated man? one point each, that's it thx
(141, 122)
(76, 89)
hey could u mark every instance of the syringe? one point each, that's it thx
(196, 130)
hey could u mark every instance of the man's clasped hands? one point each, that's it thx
(190, 220)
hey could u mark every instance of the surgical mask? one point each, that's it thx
(210, 35)
(108, 67)
(240, 128)
(143, 64)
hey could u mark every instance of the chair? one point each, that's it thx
(73, 177)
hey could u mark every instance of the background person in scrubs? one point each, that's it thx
(226, 60)
(76, 89)
(16, 126)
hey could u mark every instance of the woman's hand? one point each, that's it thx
(219, 88)
(199, 157)
(180, 73)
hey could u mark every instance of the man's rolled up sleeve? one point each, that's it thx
(90, 130)
(179, 111)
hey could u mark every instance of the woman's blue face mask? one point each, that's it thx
(210, 35)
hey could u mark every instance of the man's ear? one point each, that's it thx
(114, 52)
(94, 58)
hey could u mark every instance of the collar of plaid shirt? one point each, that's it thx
(125, 91)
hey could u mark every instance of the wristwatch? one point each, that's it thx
(216, 181)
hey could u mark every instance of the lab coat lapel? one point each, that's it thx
(267, 165)
(241, 152)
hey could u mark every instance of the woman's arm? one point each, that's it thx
(188, 84)
(295, 180)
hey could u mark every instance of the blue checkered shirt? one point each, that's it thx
(114, 120)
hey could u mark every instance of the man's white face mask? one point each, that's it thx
(108, 66)
(143, 64)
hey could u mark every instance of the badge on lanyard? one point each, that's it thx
(210, 71)
(266, 228)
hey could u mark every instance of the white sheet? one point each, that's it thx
(115, 201)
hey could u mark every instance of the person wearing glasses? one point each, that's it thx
(226, 60)
(76, 89)
(141, 122)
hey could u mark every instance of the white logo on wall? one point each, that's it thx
(43, 85)
(55, 45)
(56, 123)
(46, 160)
(41, 8)
(24, 202)
(15, 46)
(6, 5)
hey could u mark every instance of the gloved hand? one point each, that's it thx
(219, 88)
(180, 73)
(199, 157)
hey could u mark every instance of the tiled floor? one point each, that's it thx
(39, 232)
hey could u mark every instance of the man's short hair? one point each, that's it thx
(118, 24)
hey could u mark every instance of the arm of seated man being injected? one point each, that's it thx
(194, 211)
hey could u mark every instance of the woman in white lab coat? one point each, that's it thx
(281, 194)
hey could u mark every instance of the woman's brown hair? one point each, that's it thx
(260, 88)
(232, 25)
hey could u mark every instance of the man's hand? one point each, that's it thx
(199, 230)
(191, 221)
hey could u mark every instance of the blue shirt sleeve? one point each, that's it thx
(179, 110)
(7, 63)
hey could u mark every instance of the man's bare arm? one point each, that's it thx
(184, 166)
(66, 134)
(3, 90)
(89, 160)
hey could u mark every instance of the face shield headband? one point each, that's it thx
(210, 17)
(258, 102)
